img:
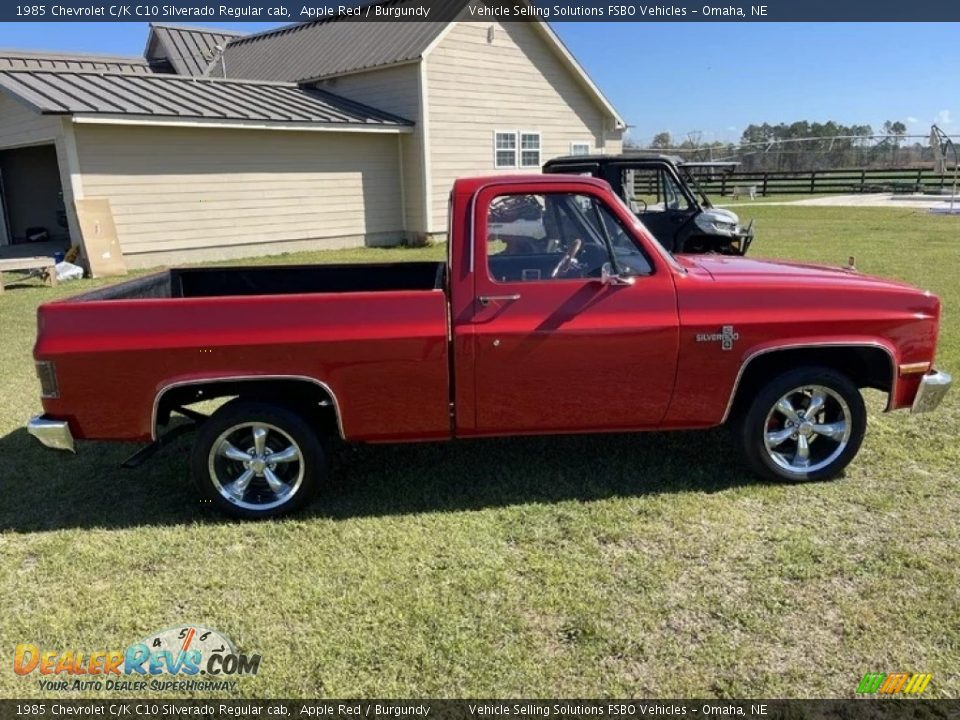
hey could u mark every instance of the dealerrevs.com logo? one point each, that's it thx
(188, 658)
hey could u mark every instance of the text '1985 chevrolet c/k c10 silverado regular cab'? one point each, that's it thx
(574, 320)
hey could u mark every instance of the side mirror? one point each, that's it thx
(609, 277)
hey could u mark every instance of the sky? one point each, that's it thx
(709, 78)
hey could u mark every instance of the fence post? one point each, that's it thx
(764, 193)
(813, 180)
(863, 179)
(723, 186)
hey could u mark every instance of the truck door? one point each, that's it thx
(659, 201)
(555, 347)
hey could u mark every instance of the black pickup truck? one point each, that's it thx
(663, 192)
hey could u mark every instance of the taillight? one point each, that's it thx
(47, 373)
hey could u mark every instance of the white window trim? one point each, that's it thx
(516, 149)
(575, 144)
(520, 135)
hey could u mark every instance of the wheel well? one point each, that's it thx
(867, 366)
(308, 397)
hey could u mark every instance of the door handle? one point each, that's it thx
(487, 299)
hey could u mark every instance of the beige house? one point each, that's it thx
(322, 134)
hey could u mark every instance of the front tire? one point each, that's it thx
(804, 425)
(255, 460)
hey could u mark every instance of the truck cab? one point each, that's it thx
(662, 191)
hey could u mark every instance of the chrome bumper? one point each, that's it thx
(932, 389)
(52, 433)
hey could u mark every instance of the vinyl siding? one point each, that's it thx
(395, 90)
(516, 82)
(21, 126)
(197, 193)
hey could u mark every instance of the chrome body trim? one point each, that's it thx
(51, 433)
(932, 389)
(800, 346)
(244, 378)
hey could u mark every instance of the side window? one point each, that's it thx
(505, 149)
(629, 259)
(530, 149)
(557, 236)
(651, 190)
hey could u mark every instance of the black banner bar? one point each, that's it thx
(289, 11)
(134, 709)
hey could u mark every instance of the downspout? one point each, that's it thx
(73, 188)
(425, 135)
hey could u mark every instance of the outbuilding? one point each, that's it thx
(325, 134)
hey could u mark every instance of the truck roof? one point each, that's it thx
(473, 184)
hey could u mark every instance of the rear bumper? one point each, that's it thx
(52, 433)
(933, 387)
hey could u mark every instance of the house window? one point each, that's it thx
(579, 148)
(505, 149)
(529, 149)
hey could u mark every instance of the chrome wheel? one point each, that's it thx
(256, 466)
(807, 429)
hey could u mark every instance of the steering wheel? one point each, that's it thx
(568, 257)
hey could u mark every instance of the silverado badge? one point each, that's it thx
(726, 336)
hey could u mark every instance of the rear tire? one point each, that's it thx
(255, 460)
(804, 425)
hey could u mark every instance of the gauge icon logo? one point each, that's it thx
(188, 650)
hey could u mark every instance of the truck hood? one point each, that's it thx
(722, 214)
(756, 271)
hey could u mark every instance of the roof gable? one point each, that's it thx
(341, 44)
(574, 66)
(188, 50)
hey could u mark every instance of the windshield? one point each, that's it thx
(690, 180)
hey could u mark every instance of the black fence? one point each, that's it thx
(895, 180)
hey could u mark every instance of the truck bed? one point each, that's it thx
(275, 280)
(375, 335)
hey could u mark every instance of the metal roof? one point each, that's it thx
(189, 50)
(173, 96)
(335, 44)
(40, 60)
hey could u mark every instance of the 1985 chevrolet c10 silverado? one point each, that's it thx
(572, 319)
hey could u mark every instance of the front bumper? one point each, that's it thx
(745, 238)
(933, 387)
(52, 433)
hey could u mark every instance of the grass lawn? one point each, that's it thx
(646, 565)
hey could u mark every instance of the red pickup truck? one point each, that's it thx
(556, 312)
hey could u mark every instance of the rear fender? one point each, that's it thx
(229, 385)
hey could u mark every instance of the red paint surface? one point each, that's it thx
(570, 356)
